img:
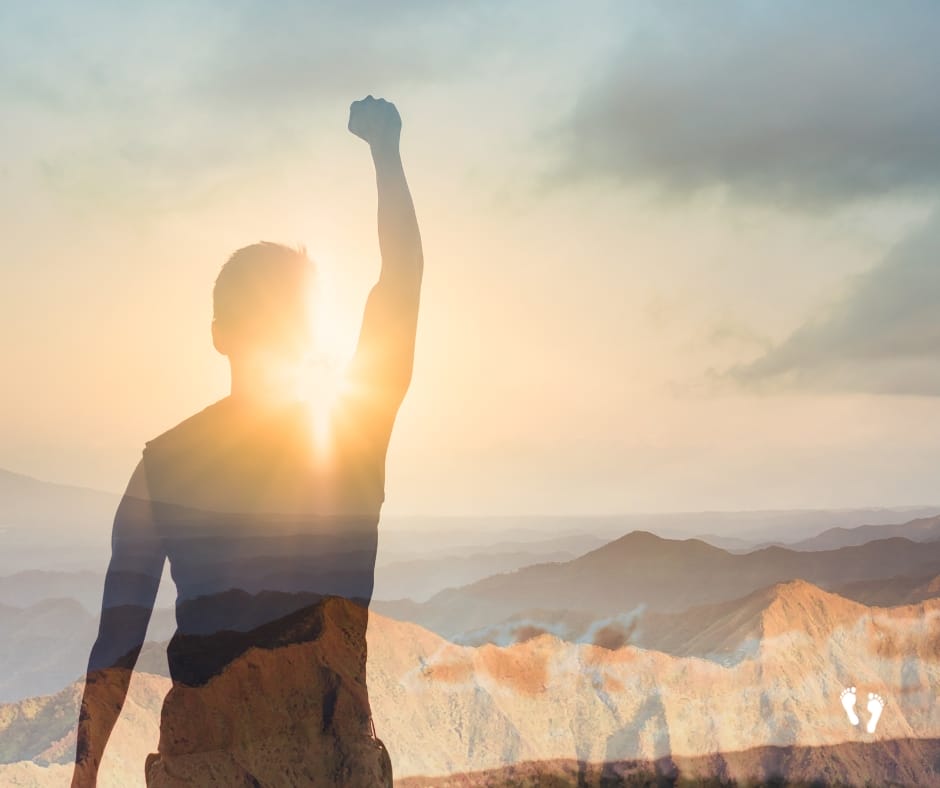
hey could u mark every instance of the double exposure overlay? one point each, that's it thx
(634, 483)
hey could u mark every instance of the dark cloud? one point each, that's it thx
(882, 336)
(803, 103)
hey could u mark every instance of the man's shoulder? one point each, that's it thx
(190, 433)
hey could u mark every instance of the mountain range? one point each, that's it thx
(682, 597)
(453, 714)
(641, 573)
(923, 529)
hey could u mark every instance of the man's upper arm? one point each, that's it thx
(381, 369)
(133, 578)
(136, 549)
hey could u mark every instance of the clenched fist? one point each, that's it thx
(376, 121)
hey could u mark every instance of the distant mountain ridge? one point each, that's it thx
(421, 578)
(924, 529)
(25, 500)
(43, 646)
(29, 587)
(643, 572)
(52, 526)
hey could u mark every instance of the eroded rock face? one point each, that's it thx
(291, 710)
(360, 763)
(776, 712)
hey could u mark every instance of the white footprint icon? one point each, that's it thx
(875, 706)
(848, 703)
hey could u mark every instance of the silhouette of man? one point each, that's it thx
(267, 508)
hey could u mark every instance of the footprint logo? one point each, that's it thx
(848, 703)
(875, 706)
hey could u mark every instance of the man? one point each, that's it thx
(267, 507)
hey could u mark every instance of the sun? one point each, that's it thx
(322, 380)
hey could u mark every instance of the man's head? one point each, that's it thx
(262, 303)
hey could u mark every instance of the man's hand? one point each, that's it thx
(377, 122)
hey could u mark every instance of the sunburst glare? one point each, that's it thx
(322, 379)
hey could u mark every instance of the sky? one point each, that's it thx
(678, 256)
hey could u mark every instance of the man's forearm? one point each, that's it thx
(399, 237)
(385, 353)
(129, 591)
(102, 700)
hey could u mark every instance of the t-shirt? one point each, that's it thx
(261, 516)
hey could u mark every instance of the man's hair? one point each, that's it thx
(257, 285)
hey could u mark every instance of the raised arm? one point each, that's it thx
(382, 366)
(130, 589)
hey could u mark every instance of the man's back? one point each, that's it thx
(257, 501)
(270, 530)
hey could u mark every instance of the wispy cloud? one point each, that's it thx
(164, 95)
(882, 335)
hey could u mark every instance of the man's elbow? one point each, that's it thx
(120, 637)
(110, 653)
(397, 384)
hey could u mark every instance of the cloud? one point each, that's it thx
(276, 55)
(882, 336)
(250, 53)
(811, 104)
(171, 95)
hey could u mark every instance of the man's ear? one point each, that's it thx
(219, 338)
